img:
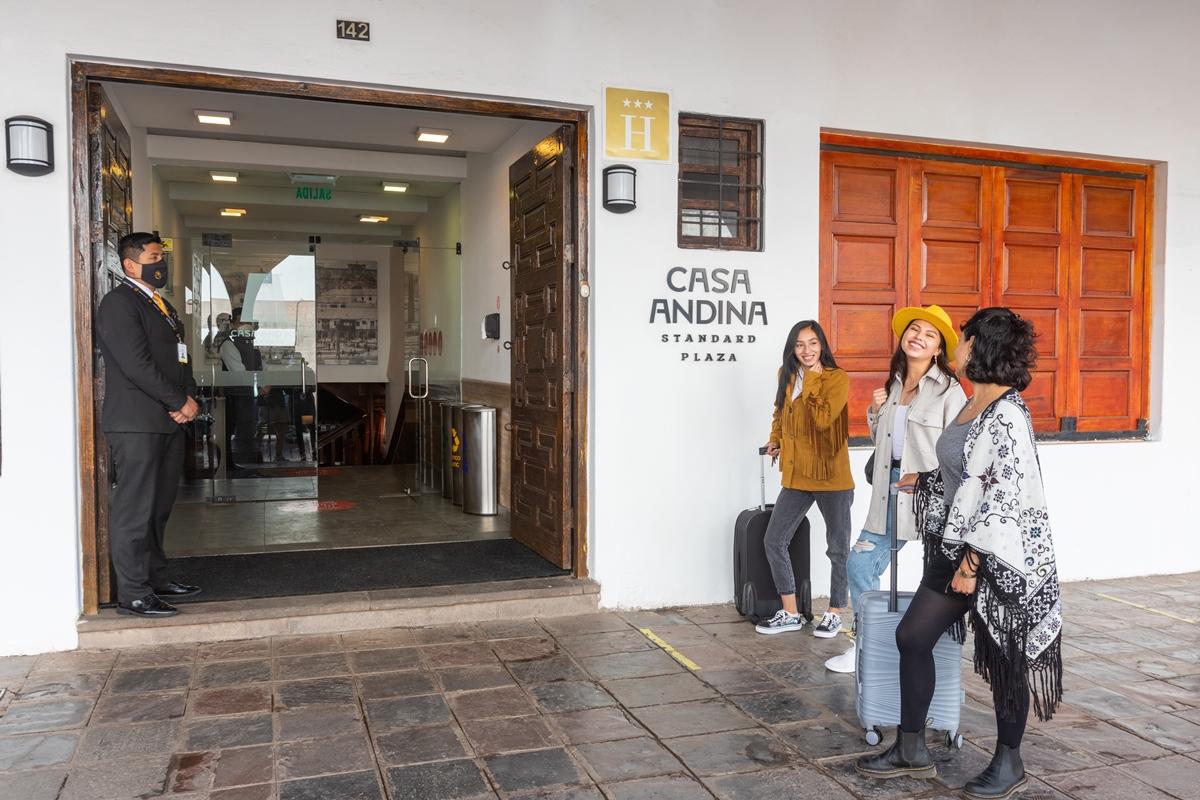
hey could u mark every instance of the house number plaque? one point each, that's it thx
(354, 29)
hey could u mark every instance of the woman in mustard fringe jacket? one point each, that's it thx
(809, 433)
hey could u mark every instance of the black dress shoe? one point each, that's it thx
(174, 589)
(908, 756)
(148, 606)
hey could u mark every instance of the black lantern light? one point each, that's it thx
(29, 143)
(620, 188)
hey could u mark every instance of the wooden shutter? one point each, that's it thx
(863, 254)
(1107, 302)
(950, 247)
(1058, 244)
(1031, 217)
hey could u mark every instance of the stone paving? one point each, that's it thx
(581, 707)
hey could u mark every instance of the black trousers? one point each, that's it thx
(146, 468)
(928, 616)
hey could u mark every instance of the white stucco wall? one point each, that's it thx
(672, 445)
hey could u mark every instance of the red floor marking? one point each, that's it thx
(312, 506)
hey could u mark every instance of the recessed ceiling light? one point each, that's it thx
(224, 177)
(214, 117)
(304, 177)
(372, 218)
(233, 212)
(433, 135)
(388, 186)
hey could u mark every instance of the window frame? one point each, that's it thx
(748, 206)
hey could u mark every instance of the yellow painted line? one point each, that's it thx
(1147, 608)
(671, 651)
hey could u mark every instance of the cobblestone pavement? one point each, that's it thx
(582, 707)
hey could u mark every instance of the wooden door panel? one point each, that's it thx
(949, 244)
(865, 191)
(543, 260)
(110, 194)
(863, 257)
(1106, 312)
(1031, 250)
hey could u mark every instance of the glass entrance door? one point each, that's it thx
(254, 317)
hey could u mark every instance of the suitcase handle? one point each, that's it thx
(762, 467)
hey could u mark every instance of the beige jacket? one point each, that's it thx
(938, 401)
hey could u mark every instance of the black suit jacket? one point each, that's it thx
(143, 377)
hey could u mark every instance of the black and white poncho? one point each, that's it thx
(1000, 513)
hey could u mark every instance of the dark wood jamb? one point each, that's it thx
(84, 71)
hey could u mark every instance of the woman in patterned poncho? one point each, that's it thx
(988, 555)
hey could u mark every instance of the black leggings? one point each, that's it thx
(927, 618)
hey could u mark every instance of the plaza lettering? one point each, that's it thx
(724, 309)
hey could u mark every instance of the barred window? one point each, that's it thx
(720, 182)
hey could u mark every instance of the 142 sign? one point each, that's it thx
(354, 29)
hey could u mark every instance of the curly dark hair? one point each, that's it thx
(1003, 349)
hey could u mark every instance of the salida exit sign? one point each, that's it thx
(315, 193)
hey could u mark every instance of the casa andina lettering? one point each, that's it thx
(693, 303)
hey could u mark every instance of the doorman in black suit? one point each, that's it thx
(149, 396)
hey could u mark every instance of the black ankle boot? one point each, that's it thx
(908, 756)
(1004, 776)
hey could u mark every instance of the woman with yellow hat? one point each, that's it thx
(907, 415)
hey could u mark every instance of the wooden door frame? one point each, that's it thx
(83, 71)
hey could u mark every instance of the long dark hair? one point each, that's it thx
(898, 370)
(791, 364)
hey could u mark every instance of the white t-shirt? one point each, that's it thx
(798, 386)
(899, 427)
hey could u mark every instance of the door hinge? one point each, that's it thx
(458, 248)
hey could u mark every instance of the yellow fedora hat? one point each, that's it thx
(935, 316)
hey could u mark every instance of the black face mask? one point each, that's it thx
(155, 273)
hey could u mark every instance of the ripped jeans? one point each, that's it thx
(871, 555)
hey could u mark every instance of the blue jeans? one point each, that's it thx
(871, 554)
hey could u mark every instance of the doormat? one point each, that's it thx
(242, 577)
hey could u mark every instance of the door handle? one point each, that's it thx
(425, 385)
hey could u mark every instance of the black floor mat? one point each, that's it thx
(239, 577)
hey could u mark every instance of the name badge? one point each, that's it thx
(182, 350)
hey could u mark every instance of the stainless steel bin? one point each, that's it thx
(480, 467)
(437, 440)
(456, 453)
(449, 434)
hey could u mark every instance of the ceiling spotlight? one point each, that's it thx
(432, 135)
(388, 186)
(214, 117)
(304, 177)
(372, 218)
(224, 177)
(233, 212)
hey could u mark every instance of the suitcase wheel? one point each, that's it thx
(954, 739)
(874, 736)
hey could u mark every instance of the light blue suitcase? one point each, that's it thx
(877, 668)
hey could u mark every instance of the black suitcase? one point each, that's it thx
(754, 589)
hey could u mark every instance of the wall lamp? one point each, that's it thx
(29, 144)
(620, 188)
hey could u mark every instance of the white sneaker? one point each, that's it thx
(829, 626)
(844, 663)
(782, 622)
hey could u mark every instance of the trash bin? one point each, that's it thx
(479, 463)
(426, 438)
(449, 435)
(456, 453)
(436, 443)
